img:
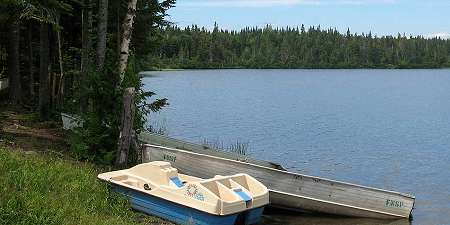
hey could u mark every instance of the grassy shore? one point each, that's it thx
(41, 184)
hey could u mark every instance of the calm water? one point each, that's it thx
(383, 128)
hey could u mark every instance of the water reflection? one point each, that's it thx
(276, 218)
(388, 129)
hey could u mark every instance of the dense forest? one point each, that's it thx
(299, 47)
(82, 57)
(79, 57)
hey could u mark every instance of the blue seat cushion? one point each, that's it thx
(177, 181)
(244, 196)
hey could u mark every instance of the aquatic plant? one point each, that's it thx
(237, 147)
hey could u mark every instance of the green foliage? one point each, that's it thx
(46, 190)
(97, 139)
(42, 11)
(150, 16)
(94, 141)
(197, 48)
(97, 95)
(94, 95)
(143, 99)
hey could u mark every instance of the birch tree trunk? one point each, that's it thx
(127, 29)
(15, 85)
(102, 31)
(44, 101)
(126, 129)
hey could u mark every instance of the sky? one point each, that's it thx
(381, 17)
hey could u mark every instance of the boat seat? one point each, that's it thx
(177, 181)
(244, 196)
(159, 173)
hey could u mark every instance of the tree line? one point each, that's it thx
(78, 57)
(298, 47)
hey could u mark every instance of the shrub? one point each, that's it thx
(97, 139)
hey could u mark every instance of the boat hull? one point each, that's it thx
(181, 214)
(295, 191)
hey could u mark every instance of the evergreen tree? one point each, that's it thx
(288, 47)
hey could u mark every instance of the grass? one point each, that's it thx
(45, 189)
(41, 183)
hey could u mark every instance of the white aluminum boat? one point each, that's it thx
(294, 191)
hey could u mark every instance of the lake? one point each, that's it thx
(383, 128)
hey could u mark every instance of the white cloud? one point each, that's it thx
(442, 35)
(242, 3)
(269, 3)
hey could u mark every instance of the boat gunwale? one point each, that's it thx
(288, 172)
(144, 136)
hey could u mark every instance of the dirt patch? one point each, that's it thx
(24, 130)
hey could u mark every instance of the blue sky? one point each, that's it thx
(381, 17)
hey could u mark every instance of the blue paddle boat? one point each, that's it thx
(156, 188)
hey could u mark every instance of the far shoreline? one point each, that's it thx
(143, 73)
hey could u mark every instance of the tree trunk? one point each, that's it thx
(44, 101)
(53, 81)
(86, 35)
(118, 29)
(31, 62)
(15, 85)
(60, 85)
(126, 125)
(127, 29)
(102, 31)
(86, 47)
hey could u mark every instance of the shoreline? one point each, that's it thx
(295, 68)
(144, 72)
